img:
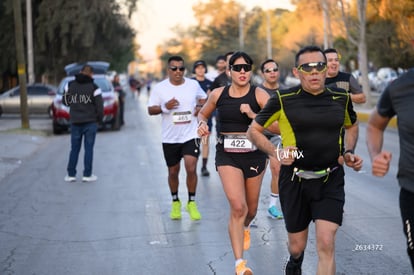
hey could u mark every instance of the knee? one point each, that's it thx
(239, 210)
(296, 249)
(173, 173)
(325, 244)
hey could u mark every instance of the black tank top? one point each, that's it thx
(230, 118)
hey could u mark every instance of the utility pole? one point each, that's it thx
(241, 34)
(326, 25)
(29, 25)
(21, 64)
(268, 35)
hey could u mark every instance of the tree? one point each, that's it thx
(72, 31)
(77, 31)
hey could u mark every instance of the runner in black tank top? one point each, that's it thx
(240, 165)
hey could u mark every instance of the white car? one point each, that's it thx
(383, 78)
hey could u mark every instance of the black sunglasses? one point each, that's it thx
(308, 67)
(271, 70)
(174, 68)
(239, 67)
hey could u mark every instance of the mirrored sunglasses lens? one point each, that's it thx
(308, 67)
(320, 67)
(271, 70)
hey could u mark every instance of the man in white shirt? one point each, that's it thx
(178, 99)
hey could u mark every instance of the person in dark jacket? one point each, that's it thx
(86, 110)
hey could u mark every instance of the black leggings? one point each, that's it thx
(407, 215)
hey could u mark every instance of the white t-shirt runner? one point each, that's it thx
(178, 125)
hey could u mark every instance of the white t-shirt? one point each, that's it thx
(178, 125)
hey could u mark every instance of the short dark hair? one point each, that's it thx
(175, 58)
(220, 57)
(243, 55)
(228, 54)
(330, 50)
(87, 69)
(267, 61)
(308, 49)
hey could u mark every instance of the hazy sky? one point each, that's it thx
(155, 18)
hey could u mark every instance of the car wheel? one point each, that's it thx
(116, 123)
(57, 130)
(50, 112)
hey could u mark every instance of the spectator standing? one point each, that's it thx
(178, 99)
(84, 98)
(397, 100)
(200, 70)
(311, 180)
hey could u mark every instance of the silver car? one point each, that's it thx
(39, 99)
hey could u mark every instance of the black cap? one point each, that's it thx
(199, 62)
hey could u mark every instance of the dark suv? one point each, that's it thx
(61, 119)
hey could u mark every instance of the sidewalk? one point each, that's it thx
(364, 113)
(16, 144)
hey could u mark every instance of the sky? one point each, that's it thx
(155, 18)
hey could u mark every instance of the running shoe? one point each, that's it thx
(246, 241)
(274, 213)
(90, 178)
(205, 172)
(70, 179)
(242, 269)
(175, 213)
(292, 266)
(193, 211)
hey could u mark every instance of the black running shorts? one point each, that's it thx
(174, 152)
(251, 163)
(303, 201)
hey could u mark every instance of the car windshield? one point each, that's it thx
(101, 82)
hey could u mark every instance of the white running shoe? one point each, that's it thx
(70, 179)
(90, 178)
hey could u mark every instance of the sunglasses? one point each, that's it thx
(174, 68)
(239, 67)
(271, 70)
(308, 67)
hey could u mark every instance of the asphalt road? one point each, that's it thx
(120, 224)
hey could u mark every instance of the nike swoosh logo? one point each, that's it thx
(336, 97)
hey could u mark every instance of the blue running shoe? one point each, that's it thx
(274, 213)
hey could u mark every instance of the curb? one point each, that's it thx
(364, 117)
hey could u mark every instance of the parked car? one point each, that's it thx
(61, 117)
(383, 78)
(39, 98)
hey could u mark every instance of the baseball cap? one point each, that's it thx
(199, 62)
